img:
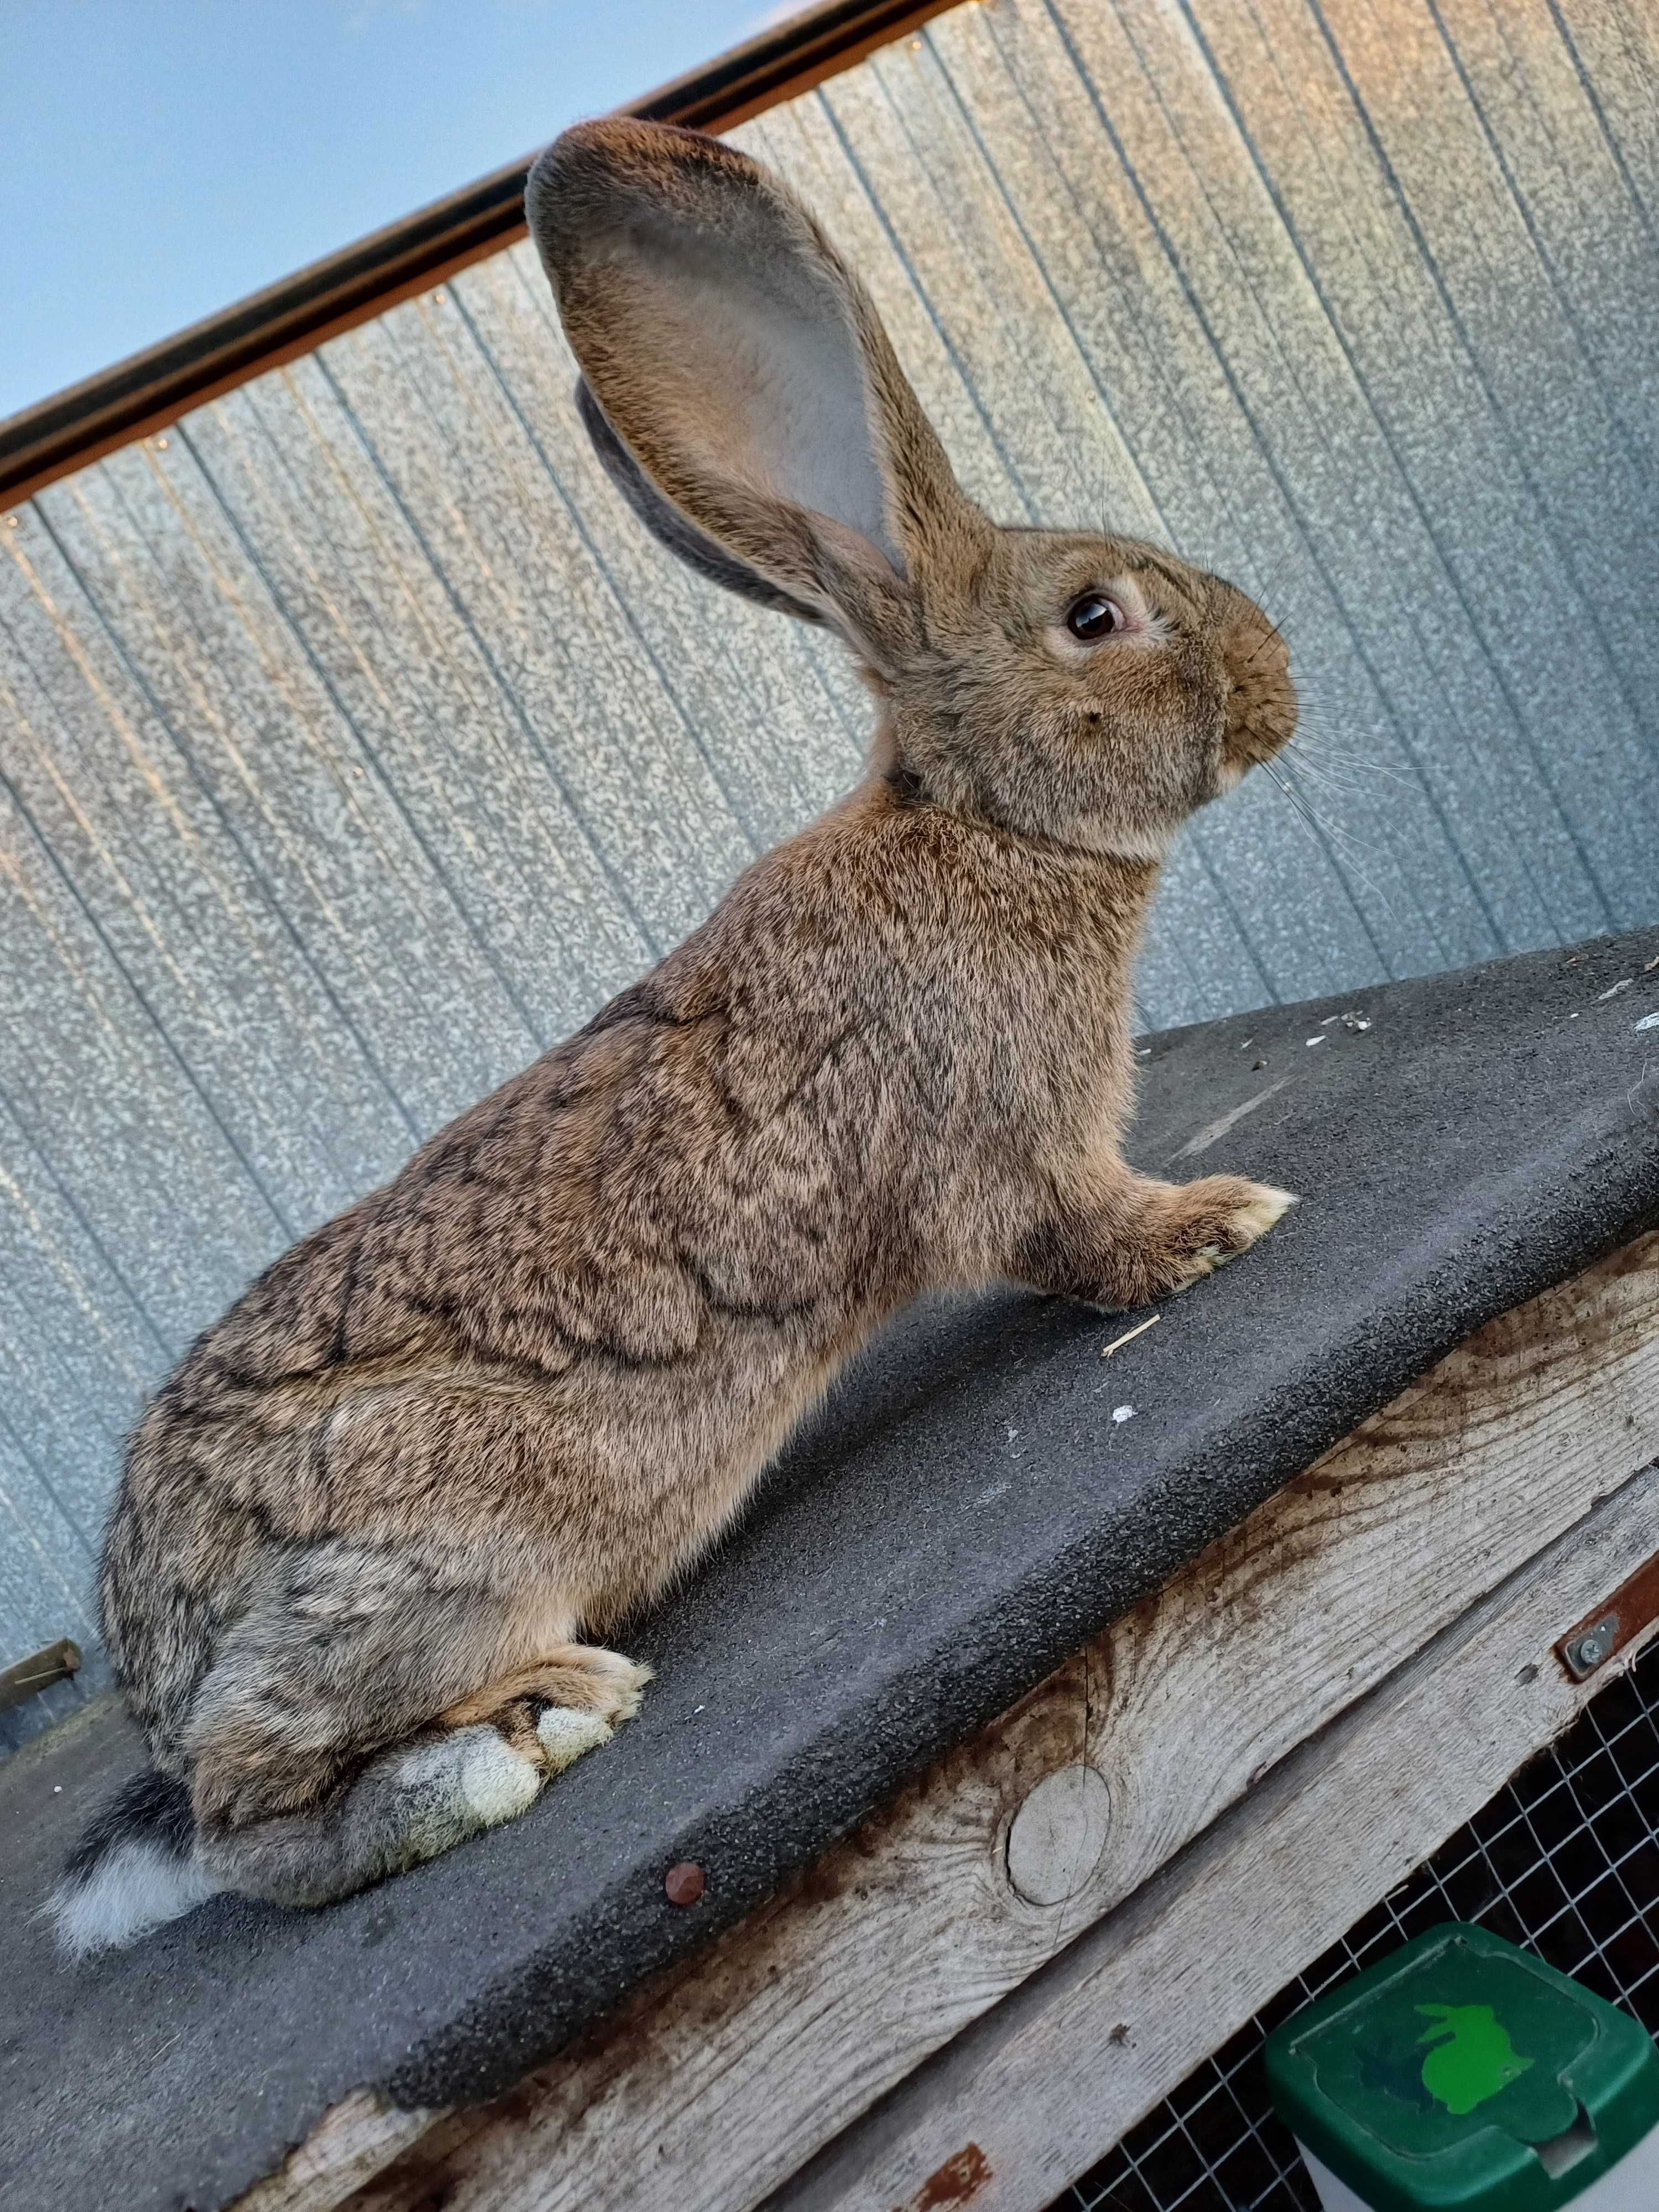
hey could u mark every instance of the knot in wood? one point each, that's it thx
(1057, 1837)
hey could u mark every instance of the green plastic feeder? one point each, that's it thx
(1463, 2072)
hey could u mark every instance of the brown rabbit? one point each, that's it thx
(498, 1406)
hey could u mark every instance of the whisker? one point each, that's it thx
(1322, 755)
(1273, 631)
(1323, 832)
(1351, 782)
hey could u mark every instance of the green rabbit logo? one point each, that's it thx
(1472, 2058)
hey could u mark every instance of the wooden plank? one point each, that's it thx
(712, 2087)
(1053, 2078)
(352, 2142)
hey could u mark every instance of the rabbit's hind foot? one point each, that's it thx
(485, 1762)
(564, 1735)
(456, 1784)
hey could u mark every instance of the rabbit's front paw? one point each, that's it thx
(552, 1712)
(1221, 1216)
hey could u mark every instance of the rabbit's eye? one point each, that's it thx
(1094, 617)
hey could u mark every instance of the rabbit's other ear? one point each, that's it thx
(668, 525)
(743, 369)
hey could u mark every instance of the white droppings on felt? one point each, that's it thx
(1122, 1413)
(1601, 997)
(1649, 1022)
(1319, 1039)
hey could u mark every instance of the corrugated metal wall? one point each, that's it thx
(356, 744)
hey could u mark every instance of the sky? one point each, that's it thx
(161, 158)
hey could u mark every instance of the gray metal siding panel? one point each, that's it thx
(358, 744)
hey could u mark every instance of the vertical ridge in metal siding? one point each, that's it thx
(1347, 239)
(176, 909)
(554, 686)
(385, 822)
(1489, 533)
(1567, 188)
(45, 1567)
(482, 825)
(1612, 50)
(356, 741)
(222, 710)
(1490, 287)
(1299, 427)
(119, 1130)
(72, 1389)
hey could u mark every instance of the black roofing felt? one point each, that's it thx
(964, 1513)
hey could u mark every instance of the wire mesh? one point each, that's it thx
(1563, 1861)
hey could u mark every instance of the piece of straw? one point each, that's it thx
(1118, 1342)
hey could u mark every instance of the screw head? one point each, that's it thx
(683, 1882)
(1585, 1653)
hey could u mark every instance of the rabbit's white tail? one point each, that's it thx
(135, 1867)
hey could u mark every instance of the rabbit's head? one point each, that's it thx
(744, 397)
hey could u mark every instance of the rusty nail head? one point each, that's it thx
(1585, 1653)
(683, 1882)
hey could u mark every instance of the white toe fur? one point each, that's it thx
(494, 1783)
(566, 1734)
(1267, 1206)
(1251, 1222)
(624, 1680)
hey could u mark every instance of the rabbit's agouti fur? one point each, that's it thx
(497, 1406)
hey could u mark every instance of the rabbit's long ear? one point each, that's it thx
(742, 371)
(668, 525)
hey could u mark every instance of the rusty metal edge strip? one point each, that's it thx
(1615, 1623)
(151, 389)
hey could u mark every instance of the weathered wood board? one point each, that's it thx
(1050, 2080)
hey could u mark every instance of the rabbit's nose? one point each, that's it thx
(1262, 711)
